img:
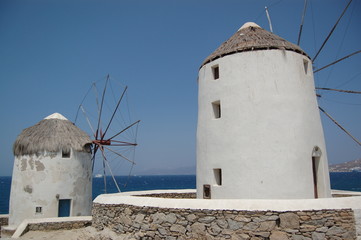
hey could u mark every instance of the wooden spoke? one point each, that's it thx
(101, 107)
(115, 110)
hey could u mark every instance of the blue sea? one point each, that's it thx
(342, 181)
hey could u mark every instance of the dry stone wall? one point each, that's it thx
(169, 195)
(4, 219)
(169, 223)
(51, 226)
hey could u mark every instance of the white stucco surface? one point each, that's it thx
(24, 224)
(248, 24)
(40, 181)
(56, 116)
(229, 204)
(269, 126)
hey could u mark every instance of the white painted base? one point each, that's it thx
(22, 227)
(231, 204)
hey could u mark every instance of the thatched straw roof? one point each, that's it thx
(251, 37)
(52, 134)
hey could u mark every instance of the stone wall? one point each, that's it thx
(169, 195)
(173, 223)
(357, 214)
(51, 226)
(4, 219)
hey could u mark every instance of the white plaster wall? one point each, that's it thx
(37, 181)
(135, 199)
(269, 126)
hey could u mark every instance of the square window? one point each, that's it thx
(38, 209)
(217, 176)
(215, 72)
(65, 153)
(207, 191)
(216, 109)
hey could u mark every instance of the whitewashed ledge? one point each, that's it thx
(22, 228)
(130, 198)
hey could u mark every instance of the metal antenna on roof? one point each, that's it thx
(269, 20)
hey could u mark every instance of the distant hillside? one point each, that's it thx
(351, 166)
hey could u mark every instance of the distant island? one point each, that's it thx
(351, 166)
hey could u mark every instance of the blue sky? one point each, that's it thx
(51, 52)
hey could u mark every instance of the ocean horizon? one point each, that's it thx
(350, 181)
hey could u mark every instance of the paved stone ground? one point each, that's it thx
(88, 233)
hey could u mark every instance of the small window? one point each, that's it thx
(65, 153)
(88, 147)
(217, 176)
(38, 209)
(207, 191)
(216, 109)
(305, 66)
(215, 71)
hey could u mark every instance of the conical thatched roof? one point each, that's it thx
(251, 37)
(52, 134)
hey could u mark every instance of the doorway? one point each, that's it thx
(315, 162)
(64, 207)
(316, 158)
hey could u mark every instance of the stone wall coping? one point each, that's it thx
(24, 224)
(344, 192)
(129, 198)
(4, 215)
